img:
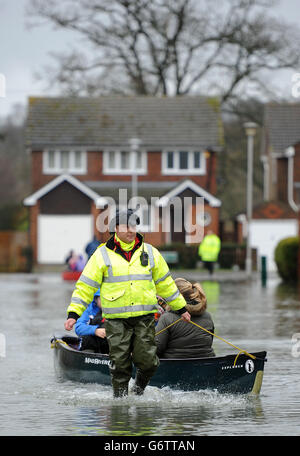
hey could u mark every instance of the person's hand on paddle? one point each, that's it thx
(186, 316)
(69, 324)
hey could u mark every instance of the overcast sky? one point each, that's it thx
(25, 51)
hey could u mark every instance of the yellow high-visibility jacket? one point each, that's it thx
(127, 289)
(209, 248)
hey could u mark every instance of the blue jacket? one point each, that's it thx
(82, 326)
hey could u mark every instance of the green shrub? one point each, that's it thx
(286, 258)
(187, 254)
(13, 217)
(231, 254)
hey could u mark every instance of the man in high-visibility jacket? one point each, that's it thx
(130, 274)
(209, 250)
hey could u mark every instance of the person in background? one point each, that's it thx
(72, 262)
(71, 253)
(183, 339)
(130, 273)
(80, 263)
(90, 327)
(209, 250)
(91, 247)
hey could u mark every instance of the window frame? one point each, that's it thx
(57, 169)
(191, 170)
(118, 170)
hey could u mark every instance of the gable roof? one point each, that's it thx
(189, 184)
(163, 191)
(113, 120)
(281, 126)
(32, 199)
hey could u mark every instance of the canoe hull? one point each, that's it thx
(217, 373)
(71, 275)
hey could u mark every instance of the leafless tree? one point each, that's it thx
(168, 47)
(14, 161)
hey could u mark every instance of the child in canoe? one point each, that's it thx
(90, 327)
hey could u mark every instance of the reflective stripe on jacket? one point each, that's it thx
(127, 289)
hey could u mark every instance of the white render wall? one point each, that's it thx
(265, 235)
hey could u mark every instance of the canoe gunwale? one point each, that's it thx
(207, 360)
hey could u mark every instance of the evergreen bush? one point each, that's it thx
(187, 254)
(286, 258)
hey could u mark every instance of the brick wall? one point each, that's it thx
(95, 169)
(282, 179)
(39, 179)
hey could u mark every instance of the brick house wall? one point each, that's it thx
(282, 180)
(186, 122)
(95, 171)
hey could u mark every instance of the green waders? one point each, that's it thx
(131, 340)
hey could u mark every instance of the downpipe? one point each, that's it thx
(289, 153)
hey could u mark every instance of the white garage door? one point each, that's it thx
(58, 234)
(265, 235)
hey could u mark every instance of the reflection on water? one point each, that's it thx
(251, 316)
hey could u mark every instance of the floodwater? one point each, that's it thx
(34, 403)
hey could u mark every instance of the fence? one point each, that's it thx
(14, 252)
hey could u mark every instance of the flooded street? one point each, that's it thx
(252, 317)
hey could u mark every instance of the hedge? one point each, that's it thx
(187, 254)
(286, 258)
(231, 254)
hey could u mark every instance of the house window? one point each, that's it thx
(57, 161)
(64, 160)
(51, 158)
(197, 160)
(124, 162)
(183, 162)
(111, 160)
(78, 159)
(170, 160)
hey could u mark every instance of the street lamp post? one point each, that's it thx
(250, 129)
(134, 147)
